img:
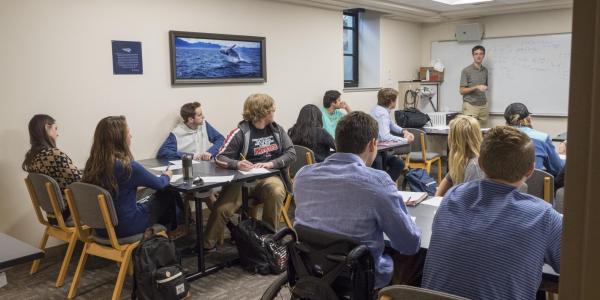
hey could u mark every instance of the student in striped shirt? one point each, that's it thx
(490, 241)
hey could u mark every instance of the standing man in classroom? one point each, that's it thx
(473, 86)
(332, 110)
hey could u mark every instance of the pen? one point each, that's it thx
(167, 169)
(243, 157)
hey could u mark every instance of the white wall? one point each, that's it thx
(56, 59)
(546, 22)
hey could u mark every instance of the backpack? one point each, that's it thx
(157, 270)
(256, 248)
(419, 181)
(411, 118)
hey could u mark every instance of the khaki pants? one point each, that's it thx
(270, 191)
(479, 112)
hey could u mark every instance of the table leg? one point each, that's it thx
(199, 233)
(244, 202)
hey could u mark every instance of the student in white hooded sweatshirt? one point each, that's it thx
(193, 135)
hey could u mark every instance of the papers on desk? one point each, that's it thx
(173, 178)
(255, 171)
(412, 198)
(217, 178)
(164, 168)
(176, 177)
(433, 201)
(179, 163)
(173, 165)
(211, 179)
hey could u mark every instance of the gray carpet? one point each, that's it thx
(97, 281)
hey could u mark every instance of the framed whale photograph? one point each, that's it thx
(216, 58)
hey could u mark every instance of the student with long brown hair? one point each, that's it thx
(112, 167)
(45, 158)
(464, 141)
(308, 132)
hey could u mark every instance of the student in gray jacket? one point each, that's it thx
(257, 142)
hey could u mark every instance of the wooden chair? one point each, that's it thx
(304, 156)
(46, 196)
(419, 158)
(405, 292)
(541, 185)
(93, 206)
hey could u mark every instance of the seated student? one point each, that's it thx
(559, 180)
(308, 132)
(45, 158)
(112, 167)
(464, 140)
(257, 142)
(490, 241)
(546, 157)
(343, 195)
(332, 110)
(386, 102)
(193, 135)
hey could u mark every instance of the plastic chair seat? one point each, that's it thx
(125, 240)
(417, 156)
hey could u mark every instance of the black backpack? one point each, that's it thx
(157, 269)
(419, 181)
(411, 118)
(258, 252)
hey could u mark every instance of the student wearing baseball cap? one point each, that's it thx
(546, 158)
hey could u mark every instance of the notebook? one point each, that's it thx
(412, 198)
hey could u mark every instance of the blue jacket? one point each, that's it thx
(546, 157)
(168, 150)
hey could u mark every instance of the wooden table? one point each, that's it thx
(14, 252)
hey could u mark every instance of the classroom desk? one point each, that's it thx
(560, 137)
(424, 214)
(14, 252)
(397, 147)
(202, 169)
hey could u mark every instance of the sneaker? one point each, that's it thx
(209, 250)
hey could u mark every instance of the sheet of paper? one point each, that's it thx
(255, 171)
(178, 162)
(433, 201)
(412, 198)
(163, 168)
(217, 178)
(174, 177)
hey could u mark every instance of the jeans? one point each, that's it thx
(390, 164)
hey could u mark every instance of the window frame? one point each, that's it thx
(354, 28)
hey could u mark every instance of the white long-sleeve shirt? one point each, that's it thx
(386, 125)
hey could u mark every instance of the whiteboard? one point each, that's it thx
(533, 70)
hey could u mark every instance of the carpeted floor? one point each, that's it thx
(97, 282)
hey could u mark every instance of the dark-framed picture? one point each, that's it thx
(216, 58)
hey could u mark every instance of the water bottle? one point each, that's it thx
(186, 163)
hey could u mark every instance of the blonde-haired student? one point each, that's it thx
(464, 141)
